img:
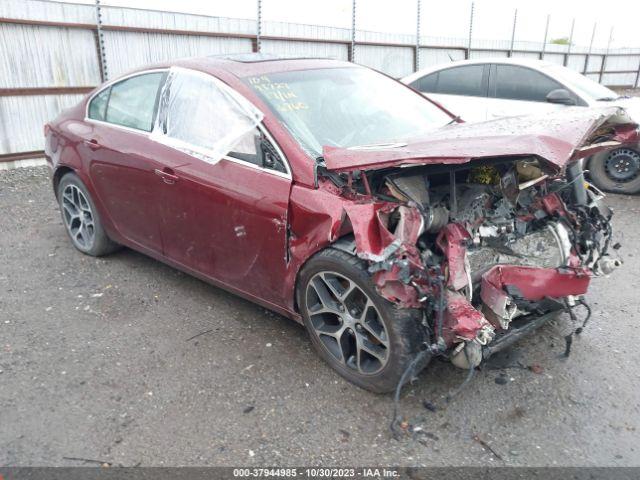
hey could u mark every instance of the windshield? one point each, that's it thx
(346, 107)
(584, 86)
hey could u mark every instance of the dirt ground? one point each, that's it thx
(99, 360)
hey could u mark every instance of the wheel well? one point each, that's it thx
(57, 176)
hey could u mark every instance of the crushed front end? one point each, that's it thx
(489, 249)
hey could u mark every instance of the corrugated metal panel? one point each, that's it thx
(595, 63)
(576, 62)
(47, 10)
(394, 61)
(623, 62)
(41, 57)
(126, 50)
(133, 17)
(429, 57)
(283, 29)
(305, 49)
(488, 54)
(22, 120)
(619, 79)
(557, 58)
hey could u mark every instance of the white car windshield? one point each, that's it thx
(583, 86)
(346, 107)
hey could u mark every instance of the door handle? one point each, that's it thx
(92, 143)
(167, 176)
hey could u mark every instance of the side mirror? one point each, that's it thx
(560, 96)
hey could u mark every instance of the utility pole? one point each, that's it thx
(102, 58)
(416, 65)
(603, 65)
(586, 59)
(566, 55)
(513, 32)
(470, 32)
(352, 50)
(259, 27)
(544, 42)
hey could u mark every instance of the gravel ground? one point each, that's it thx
(96, 363)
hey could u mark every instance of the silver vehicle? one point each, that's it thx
(480, 90)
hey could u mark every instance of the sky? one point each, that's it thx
(493, 19)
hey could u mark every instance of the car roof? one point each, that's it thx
(251, 64)
(523, 62)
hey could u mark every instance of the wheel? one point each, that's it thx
(617, 170)
(81, 218)
(365, 338)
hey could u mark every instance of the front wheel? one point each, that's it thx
(364, 337)
(617, 170)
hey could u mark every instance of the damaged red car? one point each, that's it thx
(339, 197)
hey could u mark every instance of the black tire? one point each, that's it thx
(603, 175)
(403, 331)
(95, 241)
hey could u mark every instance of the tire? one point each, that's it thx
(81, 218)
(617, 170)
(374, 326)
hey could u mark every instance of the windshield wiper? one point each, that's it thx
(607, 99)
(454, 120)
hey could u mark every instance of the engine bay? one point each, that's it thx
(481, 247)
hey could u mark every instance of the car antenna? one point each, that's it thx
(450, 57)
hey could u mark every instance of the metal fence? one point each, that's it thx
(51, 54)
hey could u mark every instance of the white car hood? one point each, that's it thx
(631, 105)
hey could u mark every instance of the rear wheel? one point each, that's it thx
(365, 338)
(616, 171)
(81, 219)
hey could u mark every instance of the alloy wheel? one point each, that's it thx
(347, 323)
(622, 165)
(78, 217)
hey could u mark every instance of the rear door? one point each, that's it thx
(462, 90)
(123, 161)
(519, 90)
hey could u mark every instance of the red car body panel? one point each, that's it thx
(251, 232)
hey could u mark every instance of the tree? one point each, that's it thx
(561, 41)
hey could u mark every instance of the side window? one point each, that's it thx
(465, 80)
(203, 117)
(133, 101)
(253, 147)
(98, 105)
(426, 84)
(521, 83)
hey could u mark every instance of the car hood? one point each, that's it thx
(558, 138)
(630, 104)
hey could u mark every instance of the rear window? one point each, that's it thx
(98, 106)
(466, 80)
(132, 101)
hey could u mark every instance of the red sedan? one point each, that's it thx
(339, 197)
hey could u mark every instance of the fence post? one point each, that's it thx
(636, 84)
(544, 42)
(566, 55)
(257, 45)
(586, 58)
(604, 57)
(513, 32)
(416, 55)
(102, 58)
(468, 52)
(352, 46)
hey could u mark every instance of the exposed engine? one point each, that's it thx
(502, 241)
